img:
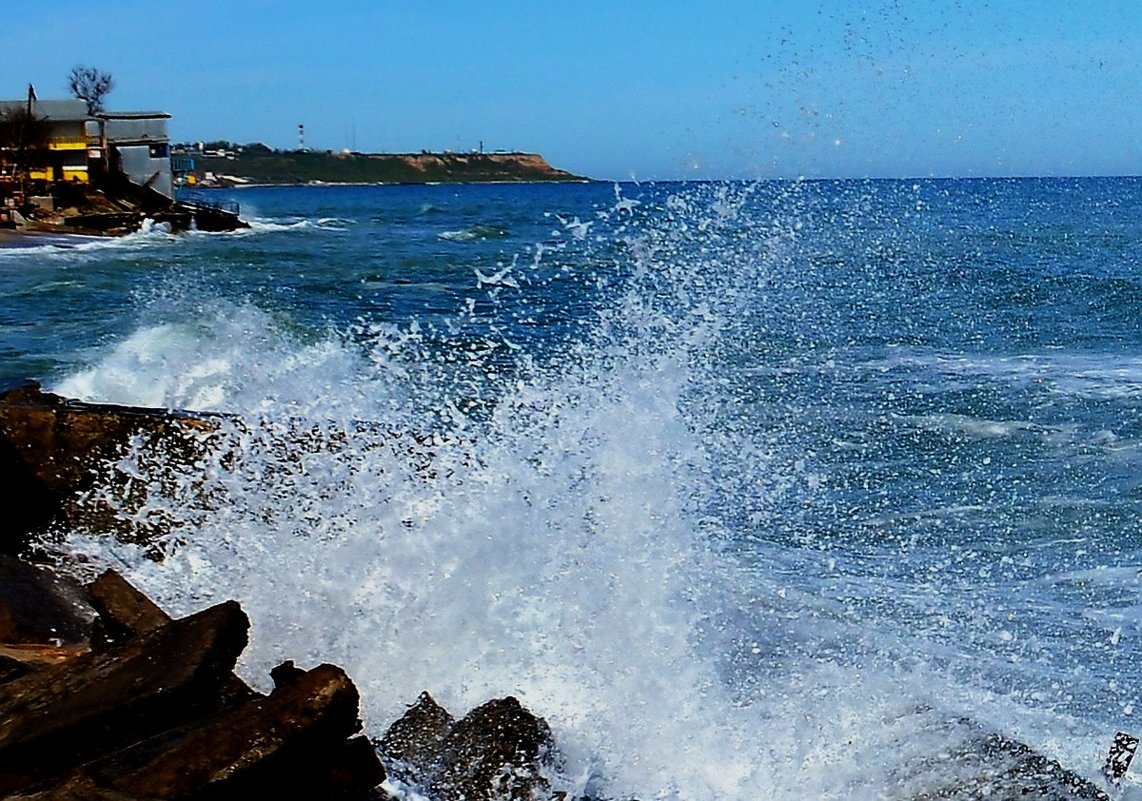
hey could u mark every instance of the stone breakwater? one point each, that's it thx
(104, 696)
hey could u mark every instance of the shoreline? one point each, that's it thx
(305, 184)
(22, 240)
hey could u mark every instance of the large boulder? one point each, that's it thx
(53, 450)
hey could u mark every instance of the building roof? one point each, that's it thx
(133, 115)
(57, 110)
(76, 111)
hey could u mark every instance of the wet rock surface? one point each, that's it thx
(498, 750)
(994, 767)
(36, 606)
(54, 451)
(149, 707)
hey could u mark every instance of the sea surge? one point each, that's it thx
(634, 528)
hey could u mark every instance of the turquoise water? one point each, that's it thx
(791, 457)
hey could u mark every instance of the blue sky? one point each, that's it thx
(618, 90)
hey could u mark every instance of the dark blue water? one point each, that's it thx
(793, 455)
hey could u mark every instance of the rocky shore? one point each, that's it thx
(116, 208)
(104, 696)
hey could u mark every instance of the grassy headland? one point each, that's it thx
(263, 166)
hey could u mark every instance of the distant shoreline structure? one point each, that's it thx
(262, 166)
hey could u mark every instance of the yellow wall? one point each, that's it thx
(69, 174)
(65, 138)
(68, 149)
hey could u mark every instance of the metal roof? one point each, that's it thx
(58, 110)
(133, 115)
(76, 111)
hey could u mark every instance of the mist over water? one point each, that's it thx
(725, 481)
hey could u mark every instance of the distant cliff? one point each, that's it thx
(279, 167)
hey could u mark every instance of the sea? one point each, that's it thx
(740, 486)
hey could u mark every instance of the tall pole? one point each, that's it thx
(25, 132)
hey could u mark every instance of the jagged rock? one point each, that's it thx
(495, 751)
(417, 738)
(55, 449)
(1000, 769)
(124, 612)
(65, 714)
(39, 607)
(1122, 752)
(293, 743)
(977, 763)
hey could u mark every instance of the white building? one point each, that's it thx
(135, 143)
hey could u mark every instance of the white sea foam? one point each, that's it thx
(974, 427)
(148, 235)
(1098, 376)
(476, 232)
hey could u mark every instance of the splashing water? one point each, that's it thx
(599, 528)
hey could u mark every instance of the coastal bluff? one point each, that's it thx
(310, 167)
(104, 695)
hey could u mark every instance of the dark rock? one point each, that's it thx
(78, 788)
(418, 737)
(65, 714)
(11, 669)
(39, 607)
(30, 506)
(70, 455)
(357, 765)
(55, 450)
(123, 610)
(1121, 754)
(293, 743)
(984, 764)
(285, 674)
(495, 751)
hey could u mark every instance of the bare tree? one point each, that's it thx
(90, 84)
